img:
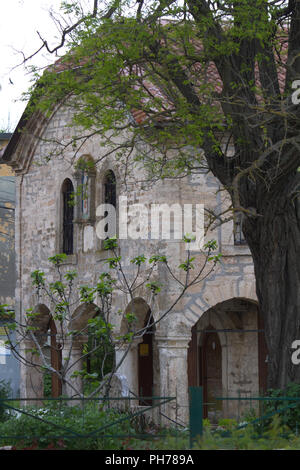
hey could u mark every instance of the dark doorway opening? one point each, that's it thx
(52, 382)
(145, 364)
(210, 371)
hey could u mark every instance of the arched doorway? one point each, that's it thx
(145, 363)
(55, 359)
(137, 365)
(227, 356)
(44, 382)
(210, 371)
(92, 347)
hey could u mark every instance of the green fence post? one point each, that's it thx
(196, 413)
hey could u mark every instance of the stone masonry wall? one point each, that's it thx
(38, 236)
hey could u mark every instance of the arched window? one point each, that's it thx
(239, 238)
(110, 193)
(99, 352)
(68, 216)
(85, 189)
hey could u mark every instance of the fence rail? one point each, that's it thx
(114, 425)
(197, 406)
(126, 413)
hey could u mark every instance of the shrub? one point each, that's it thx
(288, 416)
(227, 423)
(60, 426)
(245, 439)
(5, 392)
(47, 379)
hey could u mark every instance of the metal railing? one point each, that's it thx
(54, 429)
(197, 406)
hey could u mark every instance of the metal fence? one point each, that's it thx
(48, 411)
(256, 403)
(118, 412)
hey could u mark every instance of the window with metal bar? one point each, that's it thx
(68, 216)
(110, 192)
(85, 175)
(239, 238)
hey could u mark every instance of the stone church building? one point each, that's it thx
(213, 336)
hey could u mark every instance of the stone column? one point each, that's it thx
(75, 364)
(32, 381)
(77, 206)
(129, 366)
(174, 377)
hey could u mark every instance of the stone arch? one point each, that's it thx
(210, 320)
(216, 294)
(24, 146)
(107, 168)
(82, 314)
(139, 307)
(229, 290)
(236, 323)
(78, 326)
(41, 320)
(46, 336)
(138, 366)
(86, 163)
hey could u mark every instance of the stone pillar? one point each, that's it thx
(32, 382)
(75, 364)
(129, 366)
(174, 377)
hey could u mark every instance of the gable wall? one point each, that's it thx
(38, 237)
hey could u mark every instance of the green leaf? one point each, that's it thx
(110, 243)
(154, 287)
(87, 294)
(211, 245)
(38, 278)
(187, 265)
(70, 275)
(113, 263)
(57, 260)
(158, 258)
(138, 260)
(189, 238)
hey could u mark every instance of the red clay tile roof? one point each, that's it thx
(208, 75)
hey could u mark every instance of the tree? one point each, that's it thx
(97, 331)
(201, 74)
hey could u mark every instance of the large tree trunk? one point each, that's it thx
(262, 177)
(274, 240)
